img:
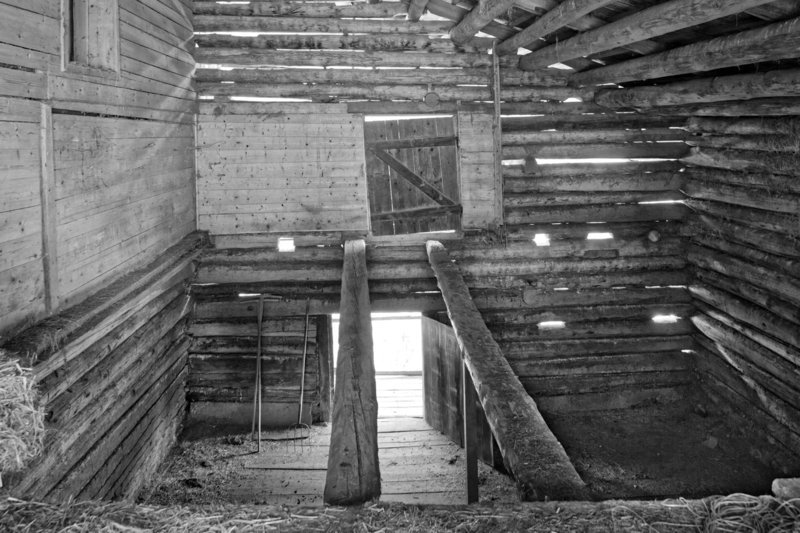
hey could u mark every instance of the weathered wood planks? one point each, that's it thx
(353, 470)
(521, 433)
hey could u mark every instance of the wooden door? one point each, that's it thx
(412, 175)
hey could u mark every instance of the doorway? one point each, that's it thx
(397, 344)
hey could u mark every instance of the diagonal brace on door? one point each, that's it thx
(413, 178)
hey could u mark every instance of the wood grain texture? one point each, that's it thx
(520, 430)
(353, 470)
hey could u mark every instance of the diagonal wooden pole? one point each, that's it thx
(531, 452)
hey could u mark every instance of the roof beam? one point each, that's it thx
(555, 19)
(776, 41)
(415, 10)
(480, 16)
(652, 22)
(443, 9)
(777, 83)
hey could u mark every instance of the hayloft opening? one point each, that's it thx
(412, 174)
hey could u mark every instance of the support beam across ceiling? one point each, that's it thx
(555, 19)
(652, 22)
(480, 16)
(777, 83)
(776, 41)
(415, 10)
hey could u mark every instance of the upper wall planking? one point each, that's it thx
(98, 164)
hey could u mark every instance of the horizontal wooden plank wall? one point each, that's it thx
(113, 158)
(111, 374)
(222, 369)
(22, 293)
(265, 168)
(97, 174)
(745, 253)
(123, 192)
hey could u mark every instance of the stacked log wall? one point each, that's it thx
(745, 254)
(111, 375)
(97, 167)
(222, 369)
(610, 353)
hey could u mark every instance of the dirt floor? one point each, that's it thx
(659, 451)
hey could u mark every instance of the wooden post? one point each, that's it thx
(48, 199)
(353, 473)
(470, 433)
(531, 452)
(325, 361)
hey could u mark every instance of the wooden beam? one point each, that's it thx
(413, 143)
(325, 355)
(217, 23)
(531, 452)
(776, 41)
(415, 10)
(497, 139)
(555, 19)
(417, 212)
(454, 13)
(777, 83)
(481, 15)
(424, 187)
(652, 22)
(471, 445)
(48, 206)
(383, 10)
(353, 473)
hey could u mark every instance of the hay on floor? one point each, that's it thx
(733, 513)
(21, 419)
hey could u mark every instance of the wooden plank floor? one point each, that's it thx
(418, 465)
(399, 395)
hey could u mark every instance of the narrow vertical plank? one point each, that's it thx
(470, 434)
(497, 139)
(353, 472)
(48, 187)
(325, 368)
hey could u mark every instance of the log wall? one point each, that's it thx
(571, 167)
(222, 369)
(111, 375)
(96, 189)
(745, 255)
(97, 165)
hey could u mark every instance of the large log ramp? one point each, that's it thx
(530, 451)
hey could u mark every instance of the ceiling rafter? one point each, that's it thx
(652, 22)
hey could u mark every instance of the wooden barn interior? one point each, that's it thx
(593, 206)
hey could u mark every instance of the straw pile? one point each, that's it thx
(744, 513)
(21, 420)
